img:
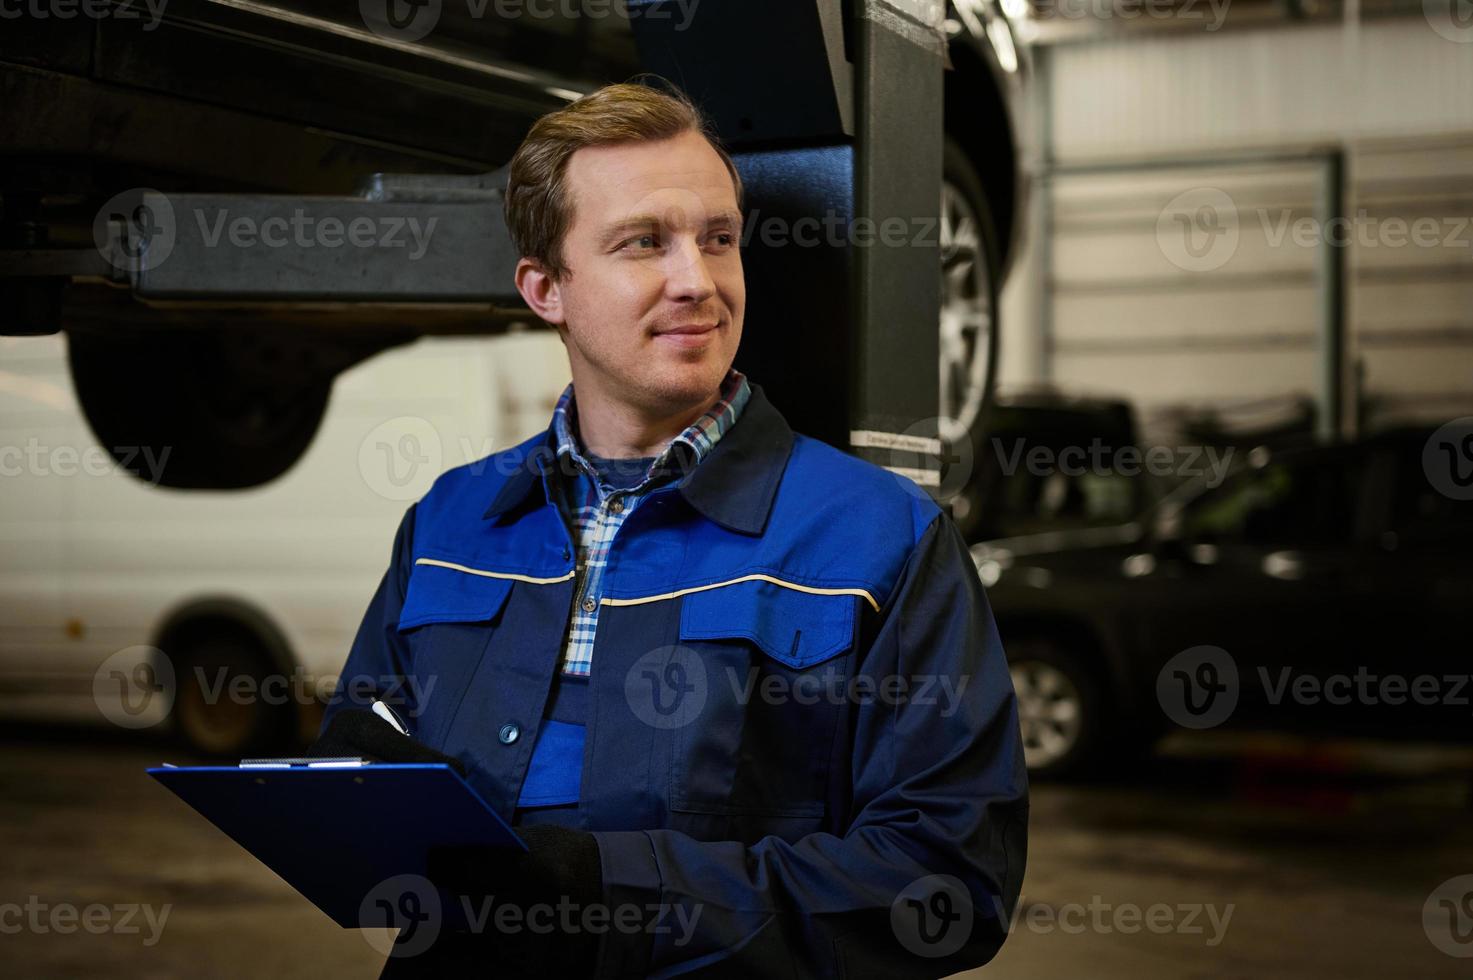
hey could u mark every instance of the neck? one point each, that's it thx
(616, 429)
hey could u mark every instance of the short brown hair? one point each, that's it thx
(538, 205)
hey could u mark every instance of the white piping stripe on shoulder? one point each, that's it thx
(477, 571)
(745, 578)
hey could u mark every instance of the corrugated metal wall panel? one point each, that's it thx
(1184, 94)
(1233, 89)
(1412, 278)
(1134, 312)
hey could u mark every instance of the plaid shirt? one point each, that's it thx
(595, 511)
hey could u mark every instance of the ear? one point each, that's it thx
(541, 291)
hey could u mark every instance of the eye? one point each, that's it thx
(643, 242)
(723, 239)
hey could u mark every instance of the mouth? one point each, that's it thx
(688, 329)
(688, 334)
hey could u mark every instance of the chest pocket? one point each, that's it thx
(775, 680)
(438, 594)
(447, 620)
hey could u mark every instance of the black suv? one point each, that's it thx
(1327, 588)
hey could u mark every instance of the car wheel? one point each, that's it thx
(224, 706)
(970, 278)
(1060, 708)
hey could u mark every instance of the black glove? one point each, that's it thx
(559, 871)
(559, 863)
(355, 732)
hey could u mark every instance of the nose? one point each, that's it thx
(686, 275)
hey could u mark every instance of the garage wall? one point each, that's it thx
(1234, 89)
(1152, 297)
(1412, 307)
(1136, 311)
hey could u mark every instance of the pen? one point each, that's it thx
(387, 714)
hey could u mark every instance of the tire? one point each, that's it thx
(1062, 710)
(217, 714)
(971, 272)
(205, 408)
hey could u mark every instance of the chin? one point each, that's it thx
(687, 384)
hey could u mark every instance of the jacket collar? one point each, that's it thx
(734, 485)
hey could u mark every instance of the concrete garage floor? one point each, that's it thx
(1262, 857)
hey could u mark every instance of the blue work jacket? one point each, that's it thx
(800, 728)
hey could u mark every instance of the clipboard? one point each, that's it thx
(337, 834)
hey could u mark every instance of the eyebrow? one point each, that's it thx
(614, 233)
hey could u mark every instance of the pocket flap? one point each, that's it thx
(446, 595)
(795, 628)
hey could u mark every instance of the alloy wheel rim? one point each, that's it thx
(966, 314)
(1050, 712)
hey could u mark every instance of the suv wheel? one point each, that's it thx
(1060, 708)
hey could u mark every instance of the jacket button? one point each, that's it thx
(589, 605)
(509, 734)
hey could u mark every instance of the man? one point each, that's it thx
(727, 677)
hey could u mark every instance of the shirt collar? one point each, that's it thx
(741, 464)
(683, 453)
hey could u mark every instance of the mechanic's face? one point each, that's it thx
(651, 310)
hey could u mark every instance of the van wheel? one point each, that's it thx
(208, 408)
(223, 705)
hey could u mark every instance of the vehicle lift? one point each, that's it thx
(832, 111)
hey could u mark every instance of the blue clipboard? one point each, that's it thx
(337, 834)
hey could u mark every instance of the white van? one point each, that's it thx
(113, 592)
